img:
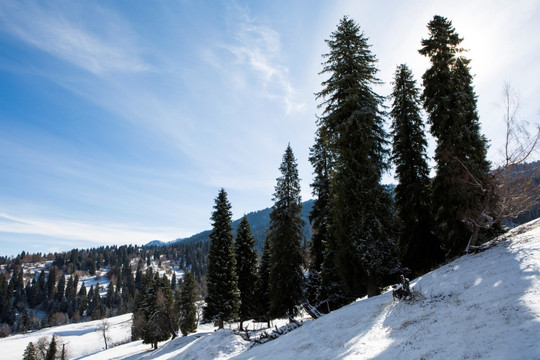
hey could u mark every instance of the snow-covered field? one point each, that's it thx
(481, 306)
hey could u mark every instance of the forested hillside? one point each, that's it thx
(259, 221)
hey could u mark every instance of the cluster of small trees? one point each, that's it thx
(58, 291)
(45, 350)
(159, 312)
(239, 288)
(62, 300)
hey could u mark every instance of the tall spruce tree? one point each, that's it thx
(460, 154)
(262, 293)
(223, 298)
(320, 213)
(186, 296)
(351, 127)
(246, 269)
(419, 246)
(285, 238)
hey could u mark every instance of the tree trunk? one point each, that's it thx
(372, 288)
(220, 326)
(241, 325)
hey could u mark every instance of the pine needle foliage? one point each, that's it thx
(450, 102)
(186, 309)
(223, 300)
(351, 128)
(285, 238)
(419, 246)
(246, 269)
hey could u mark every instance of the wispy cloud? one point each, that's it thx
(257, 47)
(97, 233)
(65, 35)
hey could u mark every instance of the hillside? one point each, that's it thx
(484, 305)
(259, 221)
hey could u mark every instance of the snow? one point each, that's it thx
(81, 339)
(480, 306)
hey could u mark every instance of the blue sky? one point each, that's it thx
(120, 120)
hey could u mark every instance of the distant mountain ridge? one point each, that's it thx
(259, 222)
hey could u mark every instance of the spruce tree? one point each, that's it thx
(51, 283)
(351, 128)
(418, 245)
(223, 298)
(246, 269)
(285, 238)
(109, 298)
(460, 153)
(186, 296)
(51, 351)
(82, 299)
(60, 287)
(30, 352)
(331, 294)
(174, 282)
(41, 285)
(154, 319)
(262, 293)
(320, 213)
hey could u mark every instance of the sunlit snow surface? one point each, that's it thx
(481, 306)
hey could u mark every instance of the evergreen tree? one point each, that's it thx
(419, 246)
(173, 282)
(60, 288)
(166, 307)
(246, 269)
(460, 154)
(24, 321)
(285, 237)
(71, 289)
(30, 352)
(351, 128)
(34, 295)
(96, 303)
(223, 298)
(320, 213)
(331, 294)
(109, 299)
(51, 351)
(262, 293)
(19, 296)
(51, 283)
(41, 284)
(83, 299)
(312, 286)
(154, 319)
(186, 297)
(7, 312)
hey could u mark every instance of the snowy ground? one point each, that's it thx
(481, 306)
(81, 339)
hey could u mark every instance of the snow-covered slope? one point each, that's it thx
(81, 339)
(484, 305)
